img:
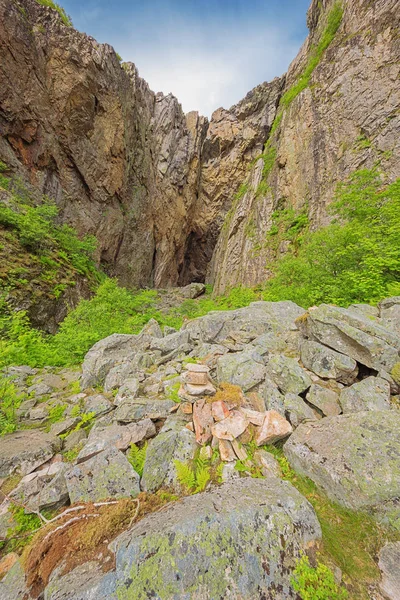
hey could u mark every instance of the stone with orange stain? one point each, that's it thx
(203, 421)
(220, 410)
(254, 416)
(231, 427)
(274, 428)
(7, 562)
(226, 451)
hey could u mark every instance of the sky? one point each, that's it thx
(208, 53)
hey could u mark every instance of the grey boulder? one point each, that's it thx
(25, 451)
(389, 563)
(245, 369)
(297, 411)
(328, 363)
(287, 374)
(325, 399)
(372, 393)
(142, 408)
(241, 540)
(354, 458)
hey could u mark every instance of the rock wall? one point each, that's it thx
(155, 185)
(347, 118)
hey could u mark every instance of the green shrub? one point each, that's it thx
(316, 583)
(64, 17)
(10, 400)
(3, 167)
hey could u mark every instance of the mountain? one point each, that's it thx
(175, 198)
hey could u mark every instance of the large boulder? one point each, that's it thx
(354, 334)
(245, 369)
(85, 582)
(241, 540)
(109, 352)
(25, 451)
(390, 313)
(106, 474)
(136, 409)
(372, 393)
(287, 374)
(328, 363)
(174, 442)
(354, 458)
(243, 325)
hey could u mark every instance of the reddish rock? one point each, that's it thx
(254, 416)
(186, 408)
(226, 451)
(274, 428)
(195, 378)
(203, 421)
(231, 427)
(239, 450)
(220, 410)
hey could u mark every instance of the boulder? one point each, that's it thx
(122, 436)
(240, 540)
(354, 458)
(107, 353)
(328, 363)
(129, 389)
(174, 442)
(202, 421)
(389, 561)
(268, 464)
(171, 342)
(231, 427)
(390, 313)
(298, 411)
(274, 428)
(326, 400)
(287, 374)
(13, 587)
(85, 582)
(245, 369)
(354, 334)
(142, 408)
(193, 290)
(107, 474)
(25, 451)
(65, 426)
(273, 399)
(372, 393)
(97, 404)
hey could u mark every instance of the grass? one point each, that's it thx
(61, 11)
(351, 539)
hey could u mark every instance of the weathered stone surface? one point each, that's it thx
(241, 539)
(142, 408)
(389, 310)
(74, 438)
(354, 458)
(274, 428)
(226, 451)
(268, 464)
(355, 335)
(122, 436)
(193, 290)
(171, 342)
(298, 411)
(203, 421)
(55, 493)
(64, 426)
(25, 451)
(245, 369)
(129, 389)
(220, 410)
(85, 582)
(108, 474)
(231, 427)
(371, 393)
(174, 442)
(325, 399)
(13, 587)
(273, 399)
(328, 363)
(98, 404)
(287, 374)
(389, 561)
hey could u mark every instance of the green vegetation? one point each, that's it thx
(194, 476)
(354, 259)
(316, 583)
(10, 400)
(118, 56)
(333, 21)
(137, 456)
(21, 534)
(64, 17)
(351, 539)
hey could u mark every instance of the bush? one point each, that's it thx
(10, 400)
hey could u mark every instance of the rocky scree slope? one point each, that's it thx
(203, 408)
(126, 164)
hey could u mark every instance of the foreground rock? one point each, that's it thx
(241, 540)
(354, 458)
(25, 451)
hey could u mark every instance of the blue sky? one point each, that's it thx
(208, 53)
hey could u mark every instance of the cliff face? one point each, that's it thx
(346, 118)
(157, 187)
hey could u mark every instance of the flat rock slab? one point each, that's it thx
(240, 540)
(372, 393)
(25, 451)
(245, 369)
(354, 334)
(142, 408)
(107, 474)
(287, 374)
(328, 363)
(354, 458)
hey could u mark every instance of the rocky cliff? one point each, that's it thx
(173, 198)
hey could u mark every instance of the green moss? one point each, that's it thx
(395, 373)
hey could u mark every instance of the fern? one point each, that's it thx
(219, 472)
(202, 478)
(186, 476)
(137, 456)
